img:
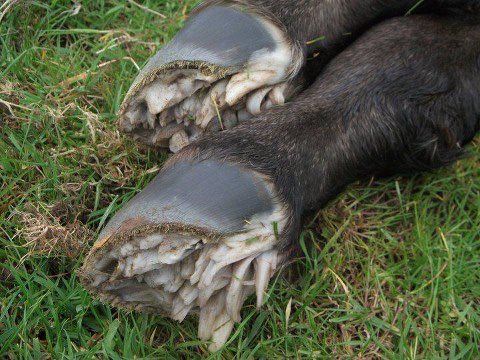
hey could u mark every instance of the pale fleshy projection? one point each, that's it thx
(179, 274)
(223, 68)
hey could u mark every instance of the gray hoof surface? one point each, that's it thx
(209, 195)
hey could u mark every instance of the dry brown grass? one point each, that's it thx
(53, 230)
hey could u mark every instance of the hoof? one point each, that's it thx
(199, 239)
(222, 68)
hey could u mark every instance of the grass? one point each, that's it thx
(390, 269)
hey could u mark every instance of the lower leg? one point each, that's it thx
(237, 58)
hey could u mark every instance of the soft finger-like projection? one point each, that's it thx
(199, 239)
(223, 67)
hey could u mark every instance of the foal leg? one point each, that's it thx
(235, 59)
(224, 212)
